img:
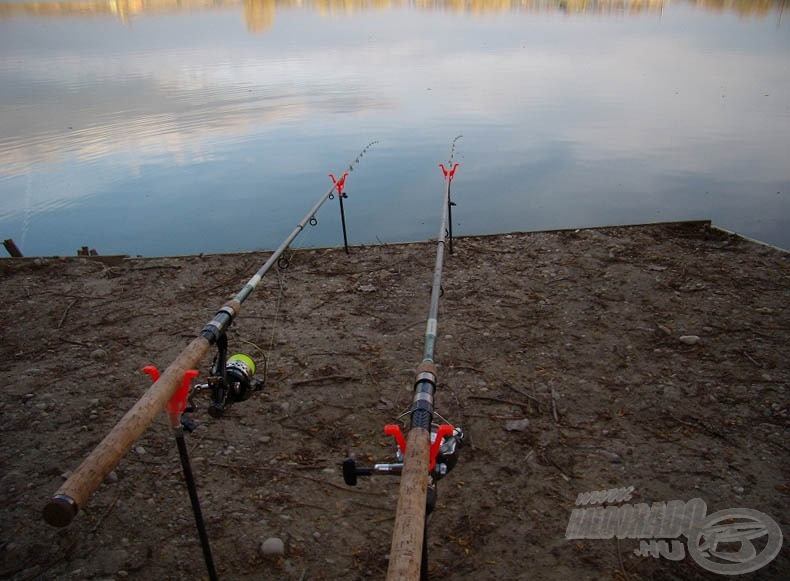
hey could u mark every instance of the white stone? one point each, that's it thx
(517, 425)
(272, 547)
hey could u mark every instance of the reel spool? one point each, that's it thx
(235, 382)
(239, 372)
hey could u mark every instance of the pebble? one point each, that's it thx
(272, 547)
(264, 439)
(112, 477)
(366, 288)
(517, 425)
(611, 456)
(98, 354)
(139, 450)
(739, 490)
(689, 339)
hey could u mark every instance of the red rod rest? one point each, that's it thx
(444, 430)
(339, 184)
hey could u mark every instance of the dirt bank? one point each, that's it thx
(577, 332)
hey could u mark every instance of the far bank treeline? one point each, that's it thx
(260, 14)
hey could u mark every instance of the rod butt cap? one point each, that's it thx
(60, 510)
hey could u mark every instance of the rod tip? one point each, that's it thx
(60, 510)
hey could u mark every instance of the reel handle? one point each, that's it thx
(350, 471)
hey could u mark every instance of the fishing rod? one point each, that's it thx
(430, 449)
(83, 482)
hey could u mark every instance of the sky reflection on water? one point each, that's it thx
(213, 129)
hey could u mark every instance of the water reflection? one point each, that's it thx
(260, 14)
(111, 131)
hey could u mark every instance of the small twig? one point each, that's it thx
(555, 280)
(370, 376)
(702, 424)
(323, 378)
(80, 343)
(532, 399)
(749, 357)
(157, 266)
(554, 406)
(360, 313)
(106, 512)
(525, 394)
(74, 302)
(492, 417)
(499, 400)
(374, 507)
(551, 461)
(678, 420)
(407, 327)
(298, 504)
(198, 441)
(469, 367)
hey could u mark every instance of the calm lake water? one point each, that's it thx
(160, 127)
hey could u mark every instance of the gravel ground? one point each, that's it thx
(654, 357)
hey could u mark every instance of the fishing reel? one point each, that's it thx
(231, 380)
(446, 440)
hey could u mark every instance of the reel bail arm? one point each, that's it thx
(231, 380)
